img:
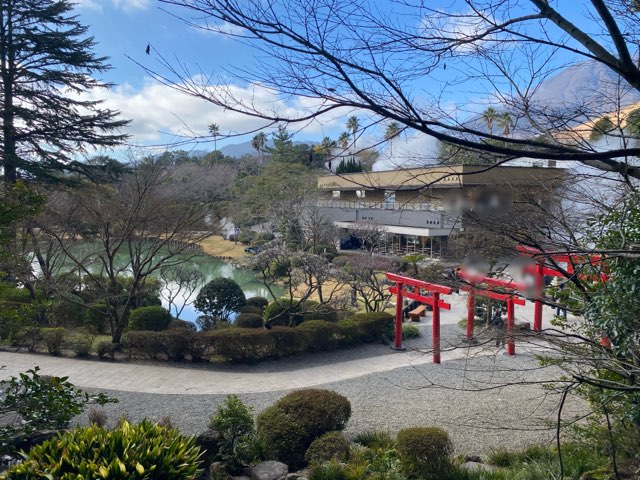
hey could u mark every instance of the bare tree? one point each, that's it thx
(370, 57)
(134, 227)
(179, 285)
(371, 235)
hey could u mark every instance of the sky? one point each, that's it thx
(164, 117)
(160, 115)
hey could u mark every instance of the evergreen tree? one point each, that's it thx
(46, 64)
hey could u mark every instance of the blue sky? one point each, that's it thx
(163, 116)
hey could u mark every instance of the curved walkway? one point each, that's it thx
(145, 378)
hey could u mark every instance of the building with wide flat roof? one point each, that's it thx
(420, 209)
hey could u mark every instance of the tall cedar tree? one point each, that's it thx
(46, 64)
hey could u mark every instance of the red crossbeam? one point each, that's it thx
(495, 295)
(432, 287)
(494, 282)
(420, 298)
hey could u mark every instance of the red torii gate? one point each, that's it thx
(509, 298)
(433, 300)
(540, 270)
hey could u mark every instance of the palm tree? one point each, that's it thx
(214, 130)
(259, 142)
(392, 131)
(353, 125)
(505, 123)
(489, 115)
(344, 139)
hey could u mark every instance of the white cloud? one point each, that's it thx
(417, 150)
(126, 5)
(159, 112)
(130, 5)
(89, 4)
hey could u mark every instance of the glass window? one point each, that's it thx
(335, 194)
(360, 193)
(389, 199)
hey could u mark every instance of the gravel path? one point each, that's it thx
(461, 396)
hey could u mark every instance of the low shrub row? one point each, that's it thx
(54, 340)
(255, 344)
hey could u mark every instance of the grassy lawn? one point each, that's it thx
(219, 247)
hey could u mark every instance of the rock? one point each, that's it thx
(523, 327)
(208, 443)
(269, 470)
(478, 467)
(473, 458)
(217, 471)
(299, 475)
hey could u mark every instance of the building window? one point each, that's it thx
(389, 199)
(360, 193)
(335, 194)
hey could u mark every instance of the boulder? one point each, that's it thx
(217, 471)
(473, 458)
(208, 443)
(269, 470)
(299, 475)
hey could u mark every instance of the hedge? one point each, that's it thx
(248, 345)
(233, 344)
(149, 318)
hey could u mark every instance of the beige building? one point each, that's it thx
(420, 209)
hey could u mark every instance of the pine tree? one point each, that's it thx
(46, 64)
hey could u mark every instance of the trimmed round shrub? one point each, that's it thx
(129, 451)
(259, 302)
(330, 446)
(249, 320)
(53, 339)
(318, 411)
(424, 452)
(106, 348)
(250, 309)
(281, 436)
(28, 337)
(275, 314)
(149, 318)
(220, 298)
(312, 310)
(81, 343)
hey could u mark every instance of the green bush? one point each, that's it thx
(312, 310)
(54, 339)
(259, 302)
(318, 411)
(31, 404)
(330, 446)
(319, 335)
(376, 326)
(182, 324)
(233, 424)
(81, 343)
(29, 338)
(249, 320)
(220, 298)
(250, 309)
(281, 437)
(241, 344)
(67, 313)
(424, 452)
(106, 348)
(128, 452)
(142, 343)
(375, 439)
(97, 317)
(284, 313)
(410, 331)
(149, 318)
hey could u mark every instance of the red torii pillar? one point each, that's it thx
(475, 280)
(510, 300)
(433, 300)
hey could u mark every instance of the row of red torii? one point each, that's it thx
(509, 293)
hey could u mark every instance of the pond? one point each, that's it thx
(214, 268)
